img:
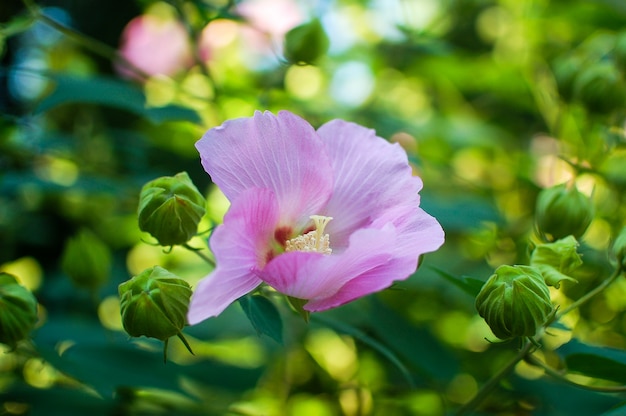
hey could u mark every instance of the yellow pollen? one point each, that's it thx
(313, 241)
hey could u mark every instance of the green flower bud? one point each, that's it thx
(515, 302)
(556, 260)
(562, 211)
(86, 260)
(619, 248)
(600, 87)
(18, 311)
(154, 304)
(170, 209)
(306, 43)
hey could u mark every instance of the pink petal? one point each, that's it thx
(418, 232)
(281, 153)
(317, 277)
(371, 176)
(372, 281)
(240, 247)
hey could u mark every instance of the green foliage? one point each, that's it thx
(264, 316)
(495, 102)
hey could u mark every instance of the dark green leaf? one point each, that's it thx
(367, 340)
(616, 411)
(264, 316)
(469, 285)
(593, 361)
(108, 360)
(59, 401)
(113, 93)
(416, 346)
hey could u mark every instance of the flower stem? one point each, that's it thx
(584, 299)
(526, 352)
(200, 254)
(493, 381)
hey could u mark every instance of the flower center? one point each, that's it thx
(313, 241)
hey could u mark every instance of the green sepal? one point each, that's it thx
(298, 305)
(556, 260)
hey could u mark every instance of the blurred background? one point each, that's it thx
(493, 101)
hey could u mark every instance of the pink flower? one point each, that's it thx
(155, 45)
(326, 216)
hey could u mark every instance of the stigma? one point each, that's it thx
(314, 241)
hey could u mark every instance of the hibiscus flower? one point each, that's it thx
(324, 217)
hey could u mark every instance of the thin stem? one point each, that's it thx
(493, 381)
(561, 377)
(194, 36)
(94, 45)
(584, 299)
(200, 254)
(525, 352)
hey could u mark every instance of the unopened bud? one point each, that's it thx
(154, 304)
(18, 311)
(555, 261)
(170, 209)
(563, 211)
(86, 260)
(515, 302)
(306, 43)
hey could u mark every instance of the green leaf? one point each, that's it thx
(264, 316)
(616, 411)
(367, 340)
(16, 25)
(106, 361)
(113, 93)
(58, 401)
(469, 285)
(416, 346)
(593, 361)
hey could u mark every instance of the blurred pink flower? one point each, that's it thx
(326, 216)
(156, 46)
(275, 17)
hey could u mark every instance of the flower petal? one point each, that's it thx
(371, 175)
(240, 247)
(316, 277)
(281, 153)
